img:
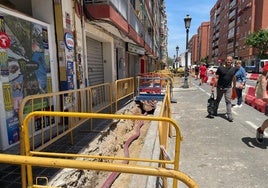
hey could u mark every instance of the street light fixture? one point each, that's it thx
(187, 22)
(177, 50)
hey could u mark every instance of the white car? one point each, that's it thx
(212, 69)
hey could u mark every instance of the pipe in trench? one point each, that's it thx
(114, 175)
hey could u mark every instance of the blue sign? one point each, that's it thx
(69, 41)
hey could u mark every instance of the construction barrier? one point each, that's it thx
(252, 76)
(251, 99)
(250, 95)
(58, 160)
(45, 128)
(153, 86)
(60, 163)
(123, 88)
(260, 105)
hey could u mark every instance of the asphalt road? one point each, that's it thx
(217, 153)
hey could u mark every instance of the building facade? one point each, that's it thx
(194, 49)
(203, 41)
(83, 43)
(231, 22)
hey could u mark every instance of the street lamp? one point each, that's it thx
(187, 22)
(177, 50)
(174, 62)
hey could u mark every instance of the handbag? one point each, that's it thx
(234, 95)
(261, 89)
(211, 105)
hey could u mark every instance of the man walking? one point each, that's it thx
(224, 80)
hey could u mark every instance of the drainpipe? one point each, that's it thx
(80, 60)
(83, 42)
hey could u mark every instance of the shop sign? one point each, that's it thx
(69, 41)
(135, 49)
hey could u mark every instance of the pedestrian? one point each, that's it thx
(240, 82)
(196, 71)
(202, 73)
(261, 92)
(224, 80)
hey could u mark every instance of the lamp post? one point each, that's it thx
(177, 50)
(174, 62)
(187, 22)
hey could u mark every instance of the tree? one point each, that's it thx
(205, 60)
(259, 41)
(170, 61)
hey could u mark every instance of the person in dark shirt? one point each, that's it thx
(224, 81)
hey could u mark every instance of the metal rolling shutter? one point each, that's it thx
(94, 62)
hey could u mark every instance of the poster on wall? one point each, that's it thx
(70, 74)
(24, 65)
(12, 129)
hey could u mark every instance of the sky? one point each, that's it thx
(199, 11)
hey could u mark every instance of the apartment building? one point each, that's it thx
(231, 22)
(194, 49)
(199, 43)
(139, 29)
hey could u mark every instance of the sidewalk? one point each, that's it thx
(215, 152)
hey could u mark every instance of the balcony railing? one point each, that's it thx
(124, 8)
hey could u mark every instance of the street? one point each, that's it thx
(217, 153)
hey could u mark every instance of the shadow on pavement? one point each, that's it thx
(251, 142)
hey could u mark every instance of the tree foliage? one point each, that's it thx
(259, 41)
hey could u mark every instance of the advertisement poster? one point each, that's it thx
(13, 129)
(24, 65)
(70, 74)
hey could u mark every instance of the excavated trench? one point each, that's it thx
(121, 138)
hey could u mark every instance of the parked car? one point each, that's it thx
(212, 69)
(255, 65)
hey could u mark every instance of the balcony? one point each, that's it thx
(232, 14)
(232, 4)
(121, 15)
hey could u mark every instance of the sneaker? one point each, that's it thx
(235, 106)
(259, 136)
(229, 118)
(240, 105)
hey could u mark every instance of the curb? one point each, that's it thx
(150, 149)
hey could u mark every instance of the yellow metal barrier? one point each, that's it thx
(88, 165)
(91, 99)
(123, 88)
(164, 127)
(46, 129)
(63, 163)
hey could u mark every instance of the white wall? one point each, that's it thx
(182, 57)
